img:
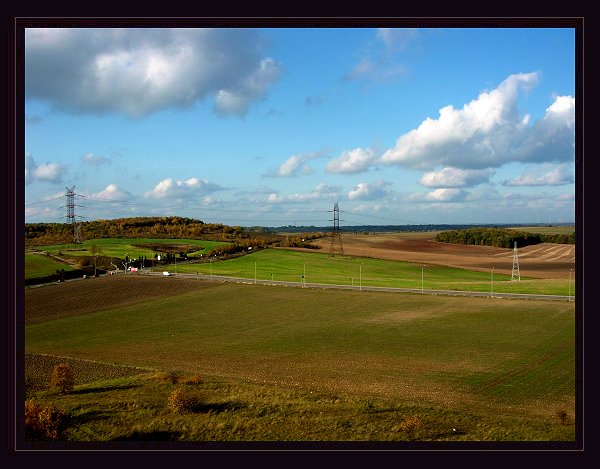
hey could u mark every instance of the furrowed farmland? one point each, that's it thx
(190, 357)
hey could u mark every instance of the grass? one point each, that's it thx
(119, 247)
(274, 358)
(223, 413)
(291, 266)
(39, 265)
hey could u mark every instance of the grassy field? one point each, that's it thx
(119, 247)
(309, 267)
(40, 265)
(300, 364)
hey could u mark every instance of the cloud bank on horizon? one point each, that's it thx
(144, 74)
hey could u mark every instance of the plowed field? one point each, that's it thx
(77, 297)
(546, 260)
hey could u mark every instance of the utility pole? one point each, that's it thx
(360, 278)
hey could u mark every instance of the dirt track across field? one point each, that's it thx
(546, 260)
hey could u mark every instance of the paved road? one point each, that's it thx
(222, 278)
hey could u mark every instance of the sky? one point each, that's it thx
(272, 126)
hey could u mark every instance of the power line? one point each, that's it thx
(44, 201)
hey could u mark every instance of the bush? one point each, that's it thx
(410, 424)
(179, 401)
(562, 416)
(62, 377)
(194, 380)
(174, 376)
(43, 422)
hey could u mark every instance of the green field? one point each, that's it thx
(40, 265)
(119, 247)
(276, 359)
(308, 267)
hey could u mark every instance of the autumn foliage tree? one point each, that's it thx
(62, 377)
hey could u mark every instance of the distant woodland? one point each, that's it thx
(502, 238)
(42, 234)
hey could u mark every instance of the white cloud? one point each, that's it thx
(320, 192)
(553, 137)
(352, 161)
(296, 165)
(455, 177)
(488, 132)
(544, 175)
(112, 192)
(366, 191)
(138, 71)
(238, 99)
(48, 172)
(193, 187)
(446, 195)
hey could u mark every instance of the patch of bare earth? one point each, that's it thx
(546, 260)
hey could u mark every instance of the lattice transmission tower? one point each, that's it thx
(516, 275)
(71, 214)
(336, 235)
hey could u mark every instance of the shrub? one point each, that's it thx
(43, 422)
(562, 416)
(62, 377)
(195, 379)
(410, 424)
(174, 376)
(179, 401)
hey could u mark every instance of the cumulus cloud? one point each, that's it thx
(320, 192)
(48, 172)
(544, 175)
(138, 71)
(552, 138)
(488, 132)
(172, 189)
(455, 177)
(112, 192)
(446, 195)
(366, 191)
(296, 165)
(352, 161)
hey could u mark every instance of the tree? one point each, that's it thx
(62, 377)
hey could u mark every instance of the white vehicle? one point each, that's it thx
(167, 274)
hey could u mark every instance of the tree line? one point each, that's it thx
(502, 238)
(40, 234)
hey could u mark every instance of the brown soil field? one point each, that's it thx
(73, 298)
(545, 260)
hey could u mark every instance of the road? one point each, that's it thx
(222, 278)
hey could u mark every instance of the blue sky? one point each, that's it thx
(272, 126)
